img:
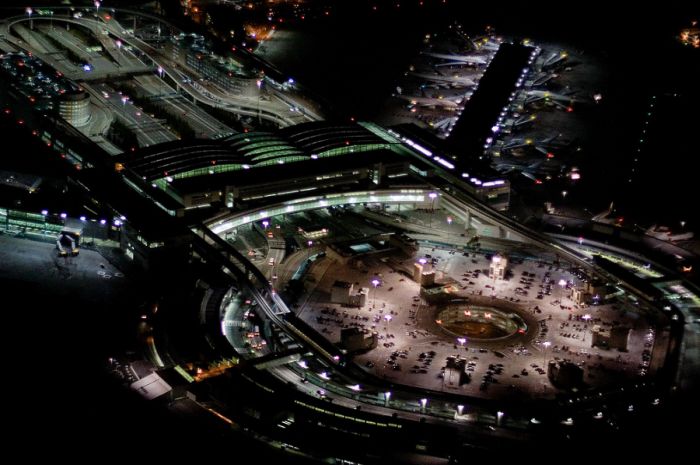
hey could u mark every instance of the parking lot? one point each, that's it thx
(411, 351)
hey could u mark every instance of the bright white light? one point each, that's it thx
(494, 183)
(103, 222)
(562, 282)
(63, 215)
(355, 387)
(444, 162)
(82, 218)
(418, 147)
(44, 212)
(324, 375)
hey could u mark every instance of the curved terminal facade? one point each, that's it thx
(377, 296)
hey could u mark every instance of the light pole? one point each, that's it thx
(562, 285)
(462, 341)
(308, 250)
(423, 403)
(546, 345)
(387, 319)
(259, 84)
(29, 12)
(97, 7)
(432, 196)
(387, 397)
(375, 282)
(585, 318)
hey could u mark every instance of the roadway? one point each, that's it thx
(148, 130)
(288, 112)
(204, 125)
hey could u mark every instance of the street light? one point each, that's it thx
(387, 396)
(259, 84)
(499, 417)
(460, 410)
(29, 12)
(546, 345)
(432, 196)
(308, 250)
(585, 318)
(462, 341)
(375, 282)
(562, 284)
(423, 403)
(97, 7)
(387, 318)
